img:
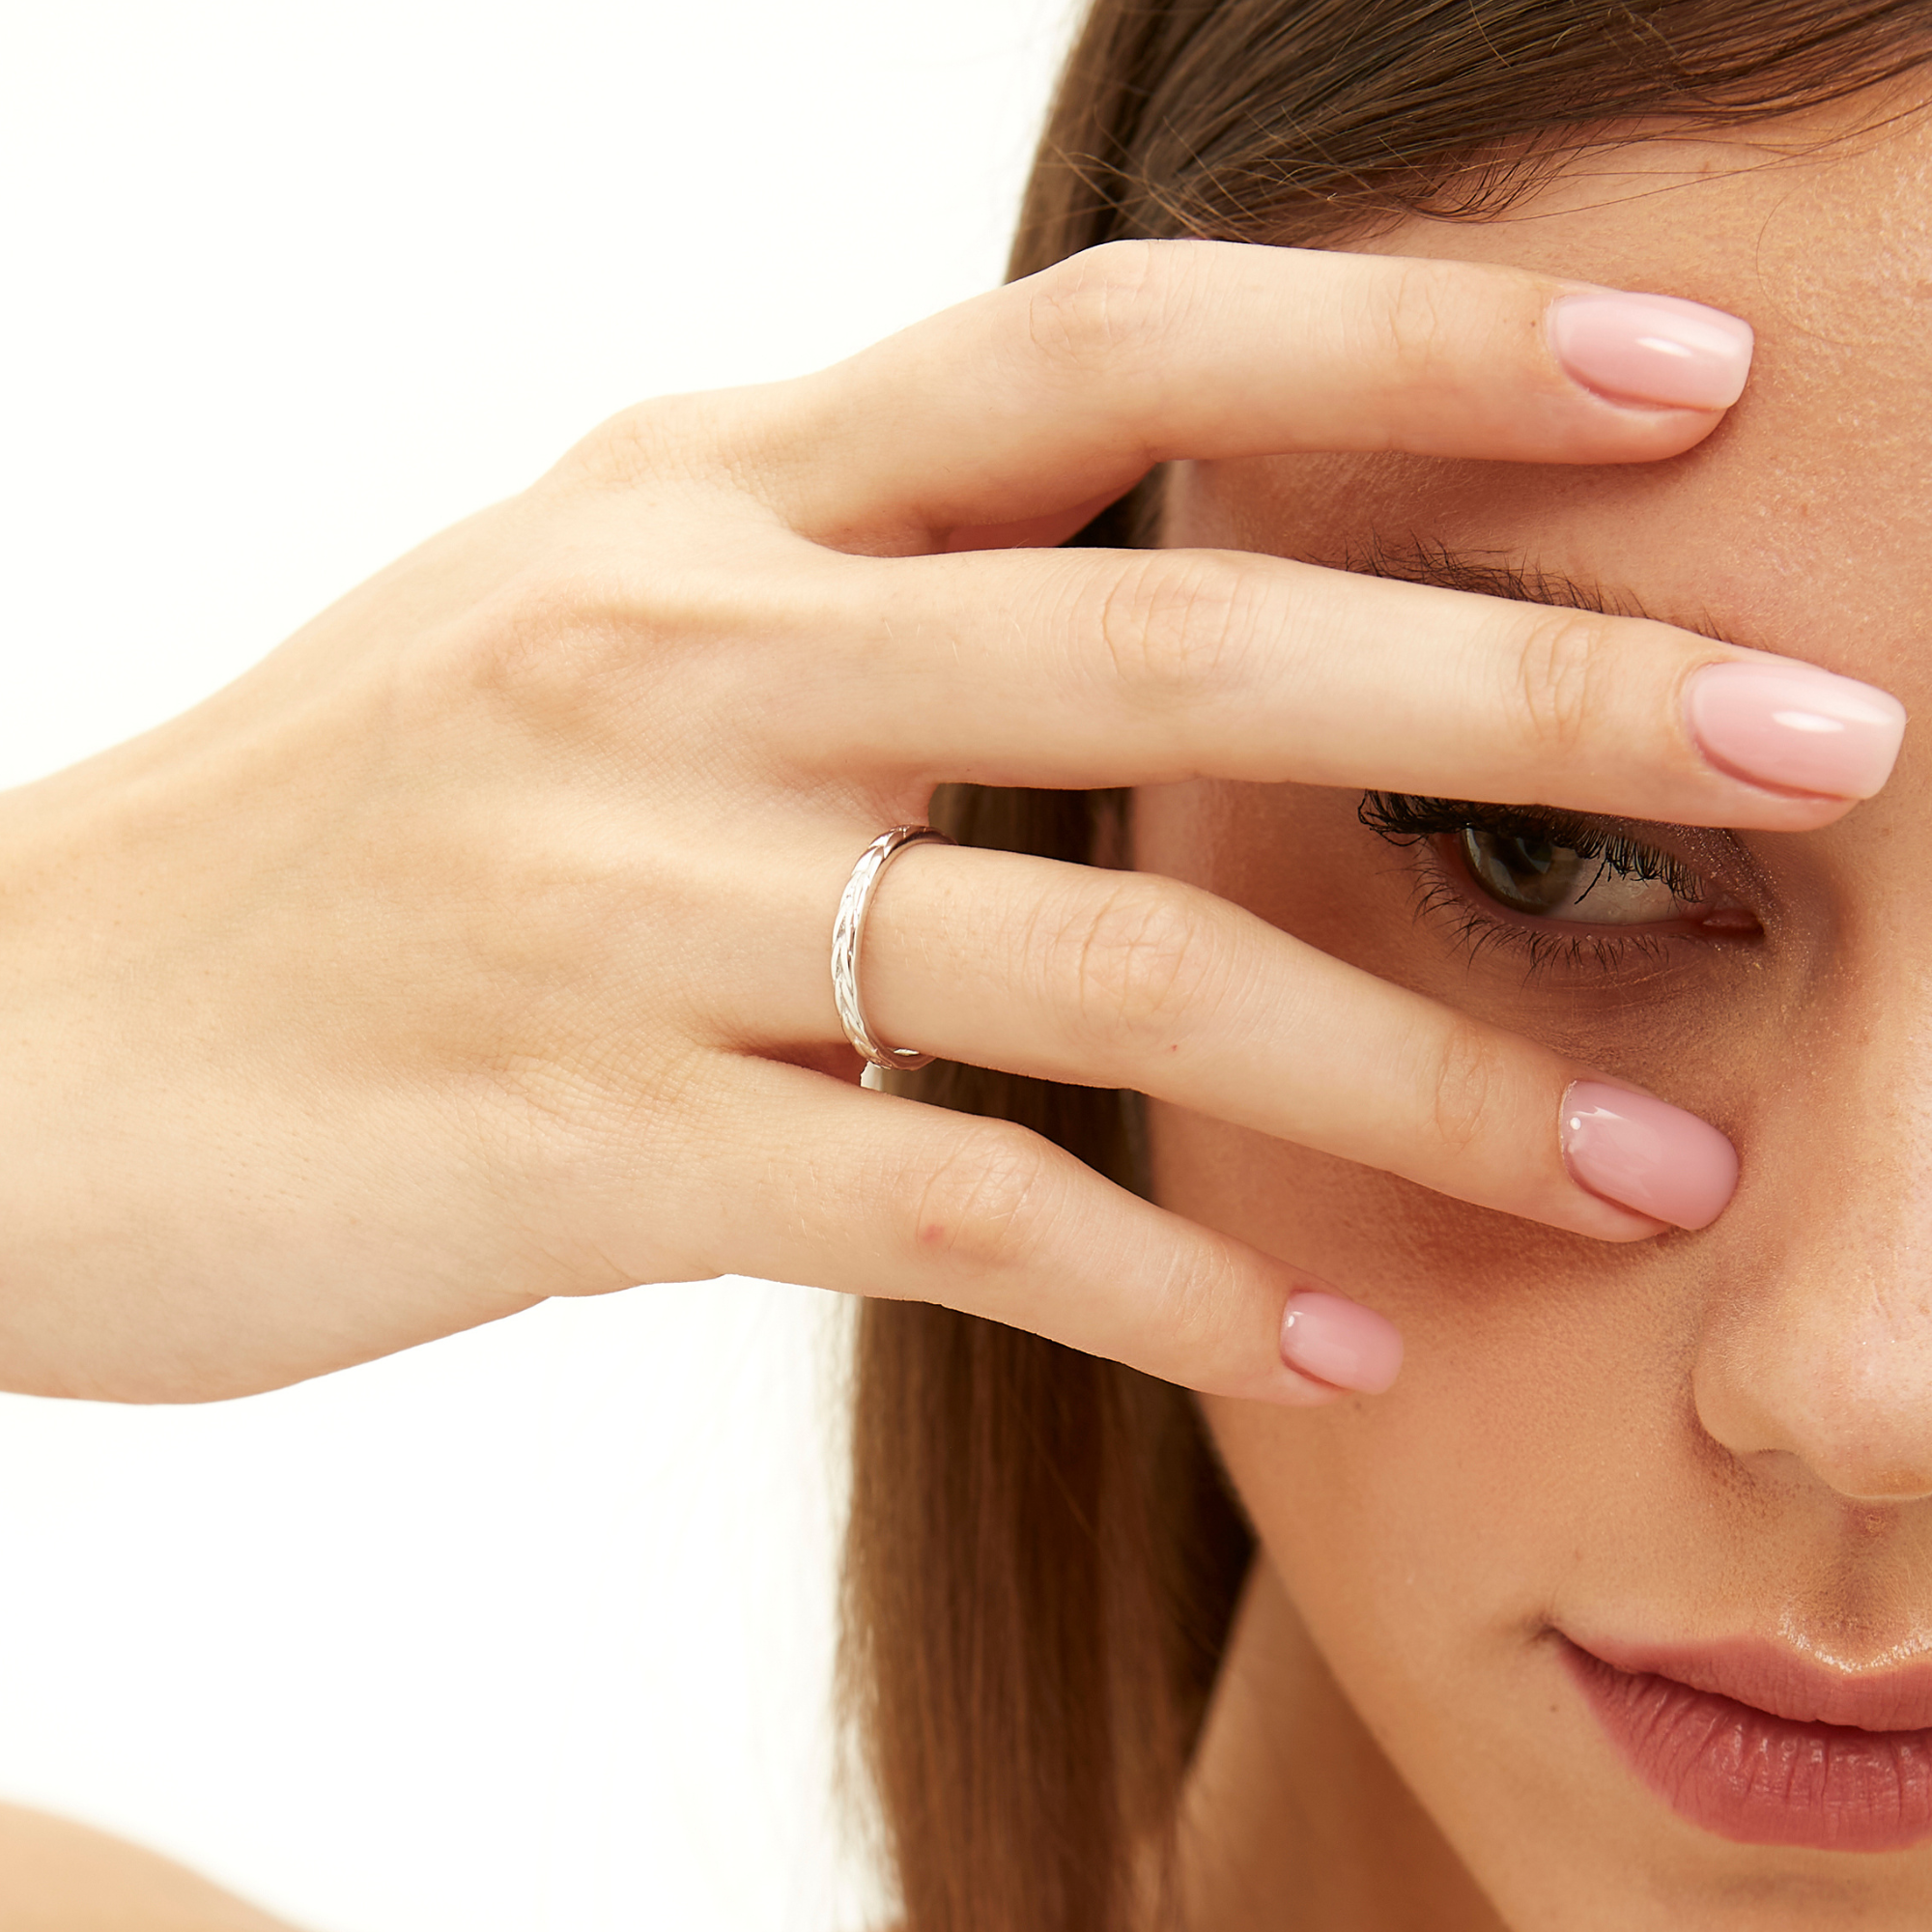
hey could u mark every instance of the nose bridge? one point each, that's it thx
(1817, 1338)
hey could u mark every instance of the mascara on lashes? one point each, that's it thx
(1527, 851)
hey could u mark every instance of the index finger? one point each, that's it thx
(1067, 387)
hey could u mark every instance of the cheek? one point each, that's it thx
(1547, 1380)
(1429, 1535)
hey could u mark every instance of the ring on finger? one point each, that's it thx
(848, 935)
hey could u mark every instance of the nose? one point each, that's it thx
(1816, 1346)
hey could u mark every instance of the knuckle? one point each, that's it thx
(578, 635)
(1172, 625)
(1422, 318)
(1200, 1299)
(675, 448)
(546, 645)
(981, 1208)
(1140, 963)
(648, 440)
(1464, 1077)
(1100, 307)
(1561, 665)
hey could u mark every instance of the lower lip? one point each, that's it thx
(1746, 1776)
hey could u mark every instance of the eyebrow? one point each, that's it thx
(1501, 573)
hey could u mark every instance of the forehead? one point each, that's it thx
(1805, 524)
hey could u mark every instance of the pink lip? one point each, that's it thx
(1761, 1747)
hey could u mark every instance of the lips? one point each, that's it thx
(1762, 1748)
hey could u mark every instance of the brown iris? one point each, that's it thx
(1538, 878)
(1528, 875)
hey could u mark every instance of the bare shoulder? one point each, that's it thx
(57, 1876)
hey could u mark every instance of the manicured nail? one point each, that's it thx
(1340, 1341)
(1647, 1154)
(1795, 727)
(1651, 349)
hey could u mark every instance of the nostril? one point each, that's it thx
(1899, 1483)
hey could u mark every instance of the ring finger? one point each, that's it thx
(1091, 978)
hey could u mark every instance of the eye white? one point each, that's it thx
(1542, 880)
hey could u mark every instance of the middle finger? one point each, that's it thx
(1088, 667)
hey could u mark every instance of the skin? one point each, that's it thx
(1698, 1435)
(57, 1876)
(471, 948)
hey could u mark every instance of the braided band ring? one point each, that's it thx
(848, 935)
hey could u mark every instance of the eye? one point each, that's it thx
(1533, 876)
(1556, 877)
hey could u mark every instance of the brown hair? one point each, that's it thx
(1042, 1561)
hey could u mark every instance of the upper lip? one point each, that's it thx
(1773, 1678)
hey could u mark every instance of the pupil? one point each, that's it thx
(1527, 874)
(1527, 859)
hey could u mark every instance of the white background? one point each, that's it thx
(529, 1630)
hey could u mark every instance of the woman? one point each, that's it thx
(1449, 1659)
(473, 950)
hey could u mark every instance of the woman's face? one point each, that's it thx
(1712, 1452)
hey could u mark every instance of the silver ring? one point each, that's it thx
(848, 934)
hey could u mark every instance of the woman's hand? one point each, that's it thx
(473, 948)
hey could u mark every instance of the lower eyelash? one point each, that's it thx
(1408, 822)
(1441, 900)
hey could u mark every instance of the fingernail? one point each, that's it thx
(1647, 1154)
(1340, 1341)
(1651, 349)
(1795, 727)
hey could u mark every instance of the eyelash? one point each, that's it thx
(1404, 821)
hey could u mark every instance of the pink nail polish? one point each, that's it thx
(1795, 727)
(1340, 1341)
(1651, 349)
(1645, 1153)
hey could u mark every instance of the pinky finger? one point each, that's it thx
(876, 1195)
